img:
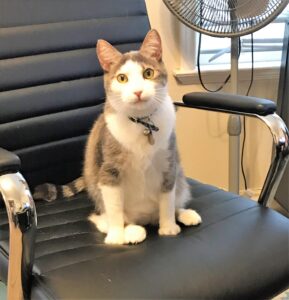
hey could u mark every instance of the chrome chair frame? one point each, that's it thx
(22, 232)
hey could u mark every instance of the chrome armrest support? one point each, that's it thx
(280, 135)
(22, 228)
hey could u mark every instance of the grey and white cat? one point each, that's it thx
(132, 169)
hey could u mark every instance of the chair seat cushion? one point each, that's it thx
(240, 251)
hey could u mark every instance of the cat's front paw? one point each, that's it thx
(189, 217)
(134, 234)
(170, 229)
(115, 236)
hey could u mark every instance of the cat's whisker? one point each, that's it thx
(157, 100)
(161, 89)
(159, 96)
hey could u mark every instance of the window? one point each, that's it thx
(268, 43)
(215, 53)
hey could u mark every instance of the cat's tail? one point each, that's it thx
(50, 192)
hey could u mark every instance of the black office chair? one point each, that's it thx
(50, 94)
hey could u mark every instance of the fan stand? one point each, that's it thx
(234, 123)
(199, 15)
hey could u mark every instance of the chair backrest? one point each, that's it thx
(51, 85)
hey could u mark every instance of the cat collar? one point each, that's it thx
(149, 127)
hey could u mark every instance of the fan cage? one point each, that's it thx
(226, 18)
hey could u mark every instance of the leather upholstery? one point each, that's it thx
(51, 87)
(50, 93)
(9, 162)
(230, 103)
(240, 251)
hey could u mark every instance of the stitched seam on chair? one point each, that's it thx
(70, 234)
(98, 111)
(70, 250)
(99, 102)
(216, 203)
(200, 228)
(192, 188)
(75, 21)
(39, 84)
(97, 107)
(86, 260)
(53, 143)
(204, 195)
(62, 239)
(44, 214)
(76, 198)
(66, 222)
(89, 43)
(94, 73)
(64, 236)
(73, 222)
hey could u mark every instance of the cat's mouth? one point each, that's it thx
(139, 102)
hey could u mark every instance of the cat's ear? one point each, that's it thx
(106, 54)
(152, 45)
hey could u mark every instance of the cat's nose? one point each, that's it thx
(138, 94)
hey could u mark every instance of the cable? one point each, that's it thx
(199, 70)
(244, 120)
(222, 86)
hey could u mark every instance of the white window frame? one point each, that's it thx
(187, 72)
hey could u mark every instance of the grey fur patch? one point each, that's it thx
(105, 160)
(169, 178)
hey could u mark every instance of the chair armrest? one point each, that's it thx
(230, 103)
(22, 227)
(255, 107)
(9, 162)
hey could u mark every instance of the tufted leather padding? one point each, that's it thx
(50, 93)
(240, 251)
(51, 87)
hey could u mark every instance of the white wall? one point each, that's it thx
(202, 136)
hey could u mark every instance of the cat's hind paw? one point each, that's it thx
(134, 234)
(188, 217)
(171, 229)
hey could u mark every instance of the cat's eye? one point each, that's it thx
(148, 73)
(122, 78)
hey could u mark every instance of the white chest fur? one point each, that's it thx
(144, 174)
(130, 135)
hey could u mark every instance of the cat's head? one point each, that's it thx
(135, 82)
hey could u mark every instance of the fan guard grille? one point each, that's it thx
(226, 18)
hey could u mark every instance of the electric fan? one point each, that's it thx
(228, 18)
